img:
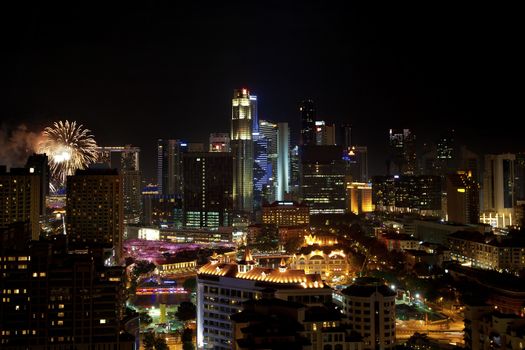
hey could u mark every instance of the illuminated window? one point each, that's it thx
(60, 323)
(60, 306)
(60, 314)
(103, 321)
(42, 274)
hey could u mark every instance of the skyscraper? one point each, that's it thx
(261, 175)
(323, 184)
(95, 210)
(308, 114)
(242, 150)
(207, 189)
(324, 133)
(402, 152)
(498, 183)
(38, 164)
(357, 162)
(346, 136)
(283, 160)
(126, 160)
(169, 166)
(269, 131)
(462, 198)
(20, 198)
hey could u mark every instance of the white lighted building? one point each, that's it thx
(222, 287)
(370, 307)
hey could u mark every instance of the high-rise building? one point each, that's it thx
(126, 160)
(519, 172)
(169, 166)
(498, 184)
(446, 157)
(95, 208)
(242, 151)
(402, 152)
(346, 136)
(20, 198)
(38, 164)
(462, 198)
(162, 210)
(370, 307)
(323, 185)
(308, 115)
(408, 193)
(261, 176)
(357, 163)
(286, 214)
(207, 189)
(223, 286)
(53, 298)
(270, 132)
(283, 161)
(359, 197)
(324, 134)
(219, 142)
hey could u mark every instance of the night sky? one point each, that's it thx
(135, 74)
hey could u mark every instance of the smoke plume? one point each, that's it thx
(16, 145)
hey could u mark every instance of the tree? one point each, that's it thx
(293, 244)
(187, 335)
(190, 284)
(186, 311)
(143, 267)
(268, 239)
(160, 343)
(148, 340)
(188, 346)
(145, 318)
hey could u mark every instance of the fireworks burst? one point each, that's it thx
(69, 147)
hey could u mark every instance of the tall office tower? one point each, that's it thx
(470, 162)
(223, 286)
(207, 189)
(283, 160)
(38, 165)
(498, 183)
(295, 173)
(126, 160)
(462, 198)
(356, 158)
(402, 152)
(260, 168)
(323, 185)
(308, 114)
(20, 198)
(446, 157)
(324, 133)
(169, 166)
(59, 299)
(371, 310)
(359, 197)
(270, 131)
(345, 136)
(519, 172)
(242, 151)
(407, 193)
(95, 208)
(219, 142)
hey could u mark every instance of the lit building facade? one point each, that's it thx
(323, 185)
(402, 152)
(286, 214)
(357, 163)
(493, 253)
(207, 189)
(462, 198)
(38, 164)
(55, 299)
(126, 160)
(370, 308)
(498, 184)
(94, 208)
(222, 287)
(324, 134)
(307, 113)
(242, 150)
(20, 198)
(219, 142)
(283, 161)
(169, 166)
(325, 261)
(359, 197)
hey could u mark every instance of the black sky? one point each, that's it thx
(133, 74)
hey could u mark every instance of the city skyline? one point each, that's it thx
(397, 66)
